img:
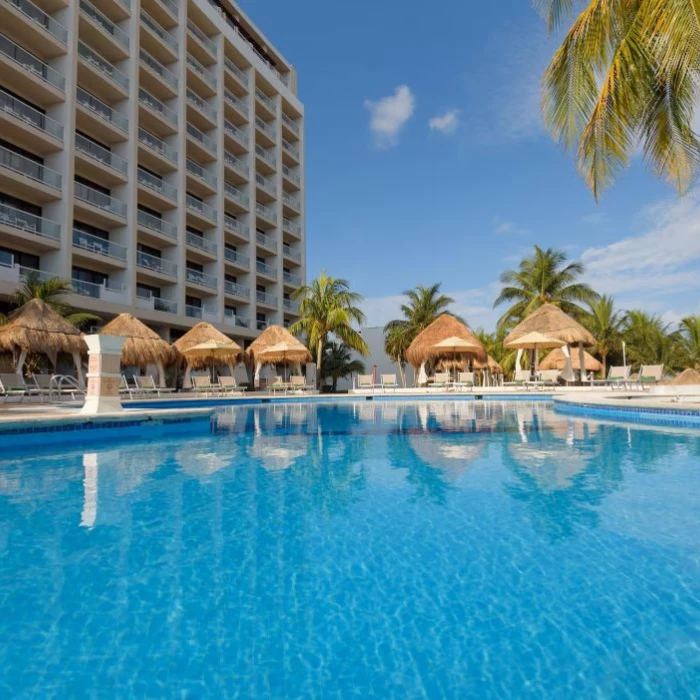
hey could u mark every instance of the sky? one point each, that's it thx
(427, 161)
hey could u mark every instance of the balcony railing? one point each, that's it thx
(97, 152)
(265, 240)
(94, 59)
(29, 115)
(238, 258)
(148, 139)
(265, 155)
(266, 213)
(205, 140)
(200, 173)
(195, 205)
(201, 243)
(100, 246)
(234, 131)
(266, 184)
(171, 5)
(239, 165)
(194, 99)
(266, 128)
(261, 325)
(38, 16)
(238, 104)
(157, 106)
(291, 226)
(100, 199)
(29, 168)
(265, 298)
(290, 123)
(291, 148)
(102, 110)
(237, 290)
(199, 311)
(232, 317)
(158, 68)
(292, 201)
(89, 10)
(198, 68)
(235, 194)
(291, 305)
(265, 269)
(156, 264)
(156, 184)
(233, 224)
(260, 95)
(291, 253)
(31, 63)
(156, 224)
(291, 175)
(24, 221)
(201, 37)
(158, 303)
(168, 38)
(96, 291)
(236, 71)
(291, 278)
(201, 278)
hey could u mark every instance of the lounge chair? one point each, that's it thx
(618, 377)
(389, 382)
(12, 385)
(649, 375)
(42, 385)
(203, 385)
(298, 383)
(521, 378)
(228, 385)
(365, 382)
(465, 380)
(278, 384)
(65, 384)
(441, 380)
(147, 385)
(548, 378)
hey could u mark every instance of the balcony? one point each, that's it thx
(292, 279)
(98, 163)
(156, 78)
(158, 41)
(100, 77)
(18, 66)
(154, 264)
(102, 207)
(199, 112)
(266, 214)
(200, 78)
(201, 211)
(240, 107)
(291, 305)
(157, 192)
(100, 31)
(291, 227)
(28, 127)
(261, 325)
(155, 154)
(266, 160)
(202, 146)
(27, 179)
(205, 311)
(240, 77)
(165, 12)
(266, 299)
(155, 230)
(200, 181)
(40, 233)
(265, 241)
(96, 116)
(104, 292)
(291, 254)
(269, 108)
(99, 248)
(38, 29)
(201, 244)
(233, 319)
(289, 149)
(236, 138)
(236, 258)
(235, 197)
(199, 44)
(291, 175)
(234, 226)
(266, 132)
(267, 270)
(290, 125)
(151, 303)
(266, 186)
(156, 116)
(201, 279)
(289, 201)
(16, 274)
(237, 290)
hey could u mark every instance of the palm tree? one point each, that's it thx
(649, 341)
(397, 338)
(690, 339)
(338, 363)
(50, 291)
(626, 72)
(328, 306)
(544, 278)
(606, 326)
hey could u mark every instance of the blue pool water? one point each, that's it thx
(447, 549)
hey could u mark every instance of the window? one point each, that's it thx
(231, 278)
(232, 248)
(93, 185)
(92, 140)
(146, 291)
(15, 257)
(261, 288)
(92, 230)
(154, 252)
(148, 210)
(193, 301)
(21, 152)
(10, 201)
(195, 266)
(92, 276)
(231, 310)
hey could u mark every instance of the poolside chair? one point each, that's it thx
(649, 375)
(522, 378)
(389, 382)
(203, 385)
(124, 387)
(365, 382)
(228, 385)
(441, 380)
(41, 385)
(12, 384)
(298, 383)
(278, 384)
(548, 378)
(618, 377)
(65, 384)
(147, 385)
(465, 380)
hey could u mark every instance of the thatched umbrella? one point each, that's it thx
(214, 352)
(142, 346)
(203, 332)
(534, 341)
(687, 377)
(553, 322)
(557, 360)
(284, 352)
(489, 369)
(423, 347)
(273, 335)
(37, 328)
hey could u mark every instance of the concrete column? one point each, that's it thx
(104, 373)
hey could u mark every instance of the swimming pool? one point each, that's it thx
(389, 549)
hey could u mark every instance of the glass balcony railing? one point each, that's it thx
(234, 256)
(265, 269)
(264, 240)
(203, 39)
(156, 264)
(200, 173)
(291, 226)
(100, 246)
(163, 34)
(291, 175)
(158, 303)
(291, 148)
(239, 165)
(31, 63)
(236, 132)
(291, 200)
(22, 111)
(236, 71)
(158, 68)
(89, 10)
(157, 106)
(148, 139)
(266, 184)
(261, 325)
(290, 123)
(235, 319)
(262, 97)
(156, 224)
(201, 71)
(96, 291)
(29, 168)
(265, 155)
(195, 205)
(156, 184)
(194, 99)
(291, 278)
(291, 253)
(235, 194)
(201, 278)
(201, 243)
(97, 152)
(205, 140)
(266, 128)
(266, 213)
(171, 5)
(24, 221)
(265, 298)
(233, 224)
(291, 305)
(241, 106)
(95, 60)
(38, 16)
(102, 110)
(237, 290)
(100, 199)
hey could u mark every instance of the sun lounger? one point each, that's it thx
(228, 385)
(649, 375)
(389, 382)
(618, 377)
(548, 378)
(441, 380)
(12, 385)
(147, 385)
(522, 378)
(203, 385)
(465, 380)
(65, 384)
(298, 383)
(365, 382)
(278, 384)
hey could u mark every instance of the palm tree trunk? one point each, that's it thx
(402, 375)
(604, 360)
(319, 354)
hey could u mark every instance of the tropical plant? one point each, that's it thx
(605, 323)
(338, 363)
(328, 307)
(649, 340)
(545, 277)
(397, 338)
(51, 291)
(690, 341)
(626, 72)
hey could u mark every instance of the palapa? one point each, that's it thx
(687, 377)
(423, 346)
(557, 360)
(273, 335)
(490, 364)
(142, 346)
(551, 321)
(284, 352)
(203, 332)
(533, 341)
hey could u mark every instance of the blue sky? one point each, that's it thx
(426, 160)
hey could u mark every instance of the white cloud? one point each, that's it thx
(389, 114)
(446, 123)
(506, 228)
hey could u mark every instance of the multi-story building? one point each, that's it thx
(151, 151)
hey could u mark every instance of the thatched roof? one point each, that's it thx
(687, 377)
(213, 352)
(203, 332)
(284, 352)
(272, 336)
(490, 364)
(36, 327)
(142, 346)
(557, 360)
(552, 321)
(422, 348)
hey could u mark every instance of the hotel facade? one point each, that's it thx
(152, 153)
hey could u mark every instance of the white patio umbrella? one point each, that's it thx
(457, 346)
(535, 341)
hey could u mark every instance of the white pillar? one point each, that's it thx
(187, 381)
(161, 375)
(78, 362)
(581, 362)
(104, 372)
(20, 363)
(256, 378)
